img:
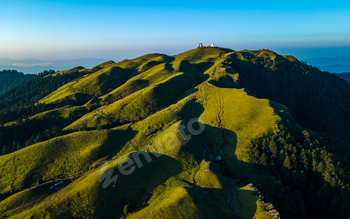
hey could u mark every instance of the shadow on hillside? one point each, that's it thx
(210, 200)
(218, 145)
(202, 67)
(117, 139)
(131, 192)
(223, 82)
(135, 190)
(196, 69)
(168, 58)
(169, 67)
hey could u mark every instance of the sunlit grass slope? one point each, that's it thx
(143, 103)
(180, 202)
(156, 68)
(138, 105)
(243, 116)
(69, 71)
(92, 84)
(65, 112)
(155, 191)
(148, 188)
(202, 55)
(61, 157)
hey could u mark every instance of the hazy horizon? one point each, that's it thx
(118, 55)
(122, 30)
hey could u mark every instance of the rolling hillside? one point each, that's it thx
(208, 133)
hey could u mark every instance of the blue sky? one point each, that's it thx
(125, 29)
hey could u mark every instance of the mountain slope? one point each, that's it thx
(183, 160)
(345, 76)
(33, 90)
(196, 135)
(317, 100)
(10, 79)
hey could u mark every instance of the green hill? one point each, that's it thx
(33, 90)
(11, 78)
(208, 133)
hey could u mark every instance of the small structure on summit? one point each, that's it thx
(201, 45)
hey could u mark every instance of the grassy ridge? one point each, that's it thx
(141, 104)
(153, 68)
(157, 100)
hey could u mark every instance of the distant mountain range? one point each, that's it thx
(37, 65)
(336, 68)
(337, 65)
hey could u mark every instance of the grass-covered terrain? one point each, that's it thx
(117, 135)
